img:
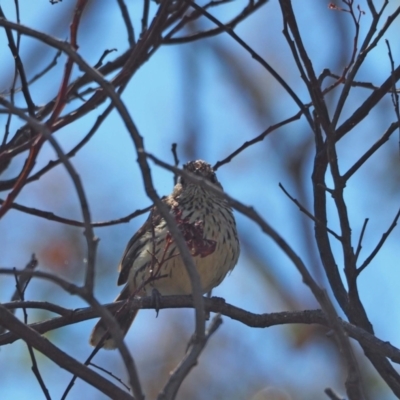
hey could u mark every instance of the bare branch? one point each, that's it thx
(309, 215)
(52, 217)
(213, 304)
(395, 96)
(257, 57)
(89, 234)
(379, 245)
(257, 139)
(62, 359)
(20, 68)
(112, 325)
(377, 145)
(189, 361)
(359, 246)
(20, 294)
(127, 22)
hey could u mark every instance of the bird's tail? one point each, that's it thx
(124, 316)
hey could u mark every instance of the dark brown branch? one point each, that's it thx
(353, 380)
(112, 325)
(257, 57)
(20, 67)
(62, 359)
(395, 96)
(62, 95)
(23, 280)
(88, 232)
(257, 139)
(75, 377)
(248, 10)
(145, 16)
(308, 75)
(99, 64)
(188, 362)
(320, 212)
(366, 47)
(379, 245)
(48, 68)
(385, 137)
(309, 215)
(346, 89)
(53, 217)
(359, 245)
(127, 22)
(213, 304)
(176, 160)
(41, 305)
(362, 111)
(360, 84)
(110, 374)
(20, 294)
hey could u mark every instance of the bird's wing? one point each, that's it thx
(135, 245)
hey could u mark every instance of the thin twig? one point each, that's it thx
(188, 362)
(20, 67)
(395, 96)
(48, 68)
(247, 11)
(75, 377)
(145, 16)
(379, 245)
(175, 154)
(89, 234)
(111, 374)
(112, 326)
(176, 160)
(359, 245)
(346, 89)
(309, 215)
(371, 101)
(23, 280)
(385, 137)
(20, 294)
(53, 217)
(61, 358)
(41, 305)
(127, 22)
(62, 92)
(6, 185)
(257, 139)
(360, 84)
(103, 56)
(257, 57)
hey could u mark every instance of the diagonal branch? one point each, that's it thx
(257, 139)
(62, 359)
(188, 362)
(20, 68)
(375, 251)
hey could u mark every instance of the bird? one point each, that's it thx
(151, 260)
